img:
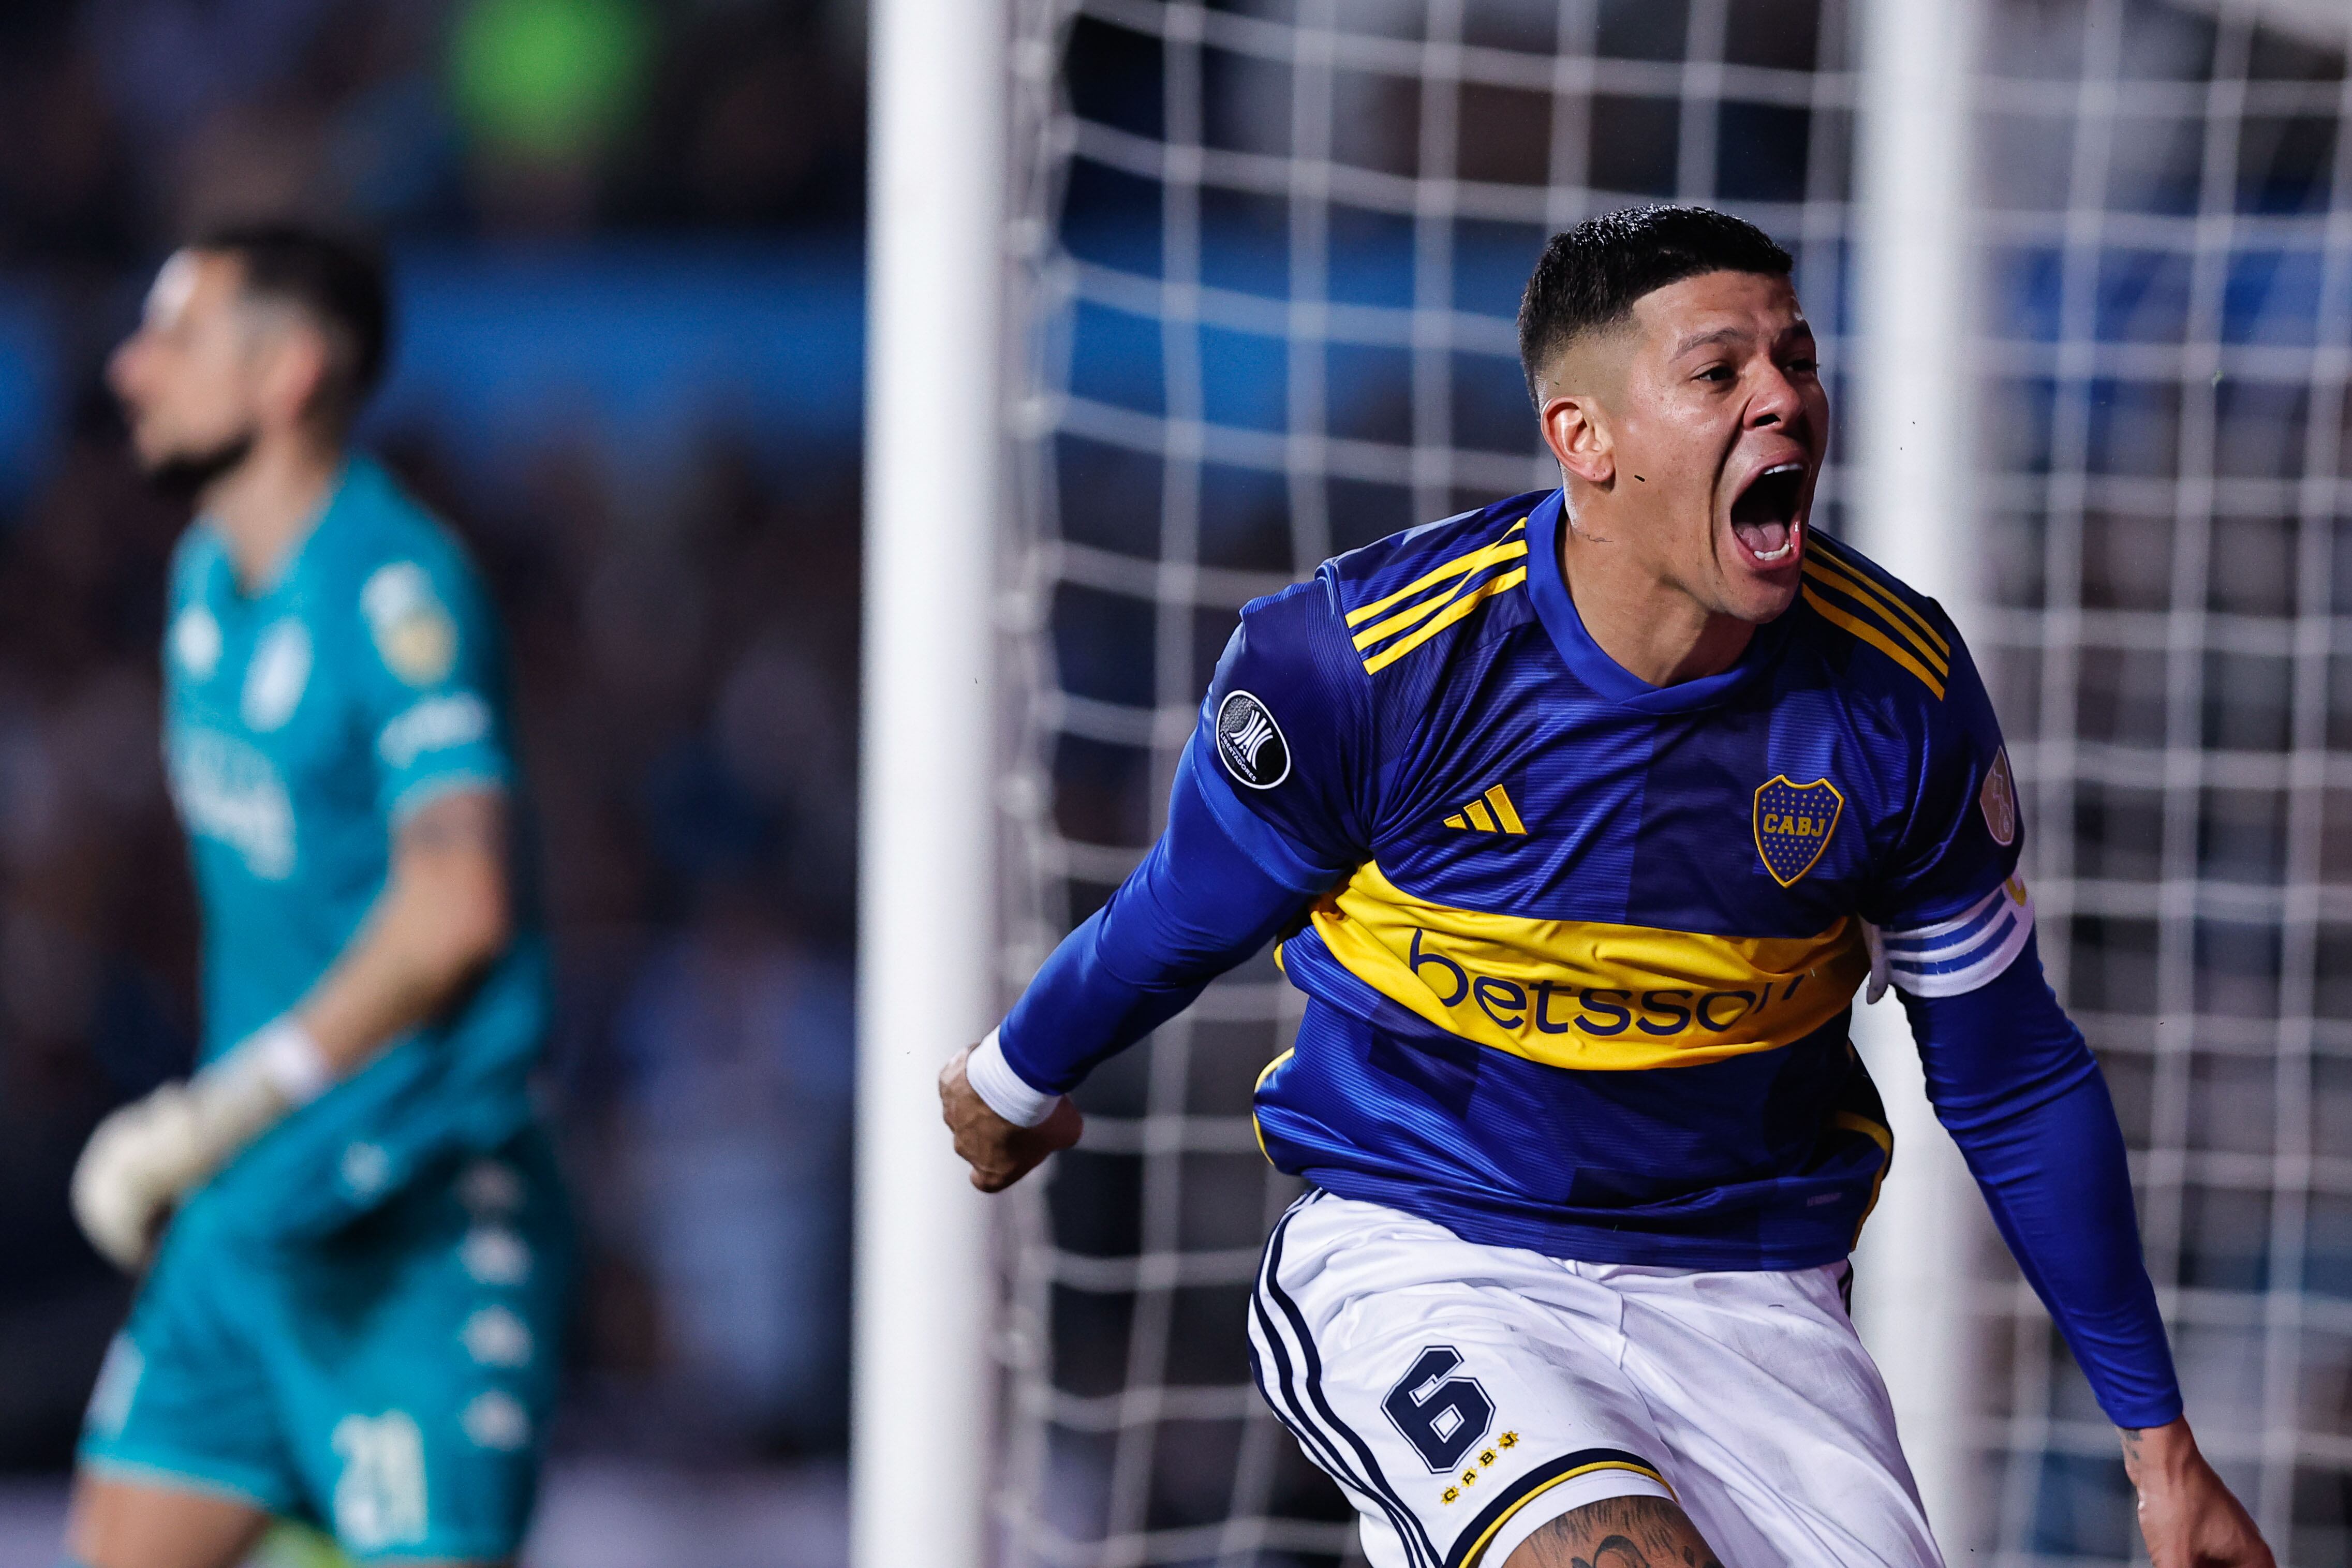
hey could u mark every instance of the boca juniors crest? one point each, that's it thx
(1793, 823)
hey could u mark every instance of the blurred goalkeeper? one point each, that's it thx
(354, 1246)
(1581, 819)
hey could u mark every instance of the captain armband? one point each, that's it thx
(1953, 957)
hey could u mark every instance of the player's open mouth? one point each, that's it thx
(1764, 515)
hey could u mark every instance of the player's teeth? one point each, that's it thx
(1786, 545)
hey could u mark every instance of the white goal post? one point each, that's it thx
(922, 1379)
(1914, 424)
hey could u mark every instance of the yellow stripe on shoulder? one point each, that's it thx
(1859, 598)
(1460, 606)
(1835, 561)
(1380, 630)
(1512, 543)
(1875, 637)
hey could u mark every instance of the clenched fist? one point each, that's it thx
(999, 1153)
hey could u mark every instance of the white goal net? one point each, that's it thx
(1265, 258)
(2167, 225)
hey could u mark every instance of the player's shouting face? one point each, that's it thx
(1691, 433)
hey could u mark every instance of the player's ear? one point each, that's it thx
(294, 374)
(1576, 429)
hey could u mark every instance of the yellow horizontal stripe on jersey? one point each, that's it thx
(1875, 603)
(1391, 625)
(1504, 811)
(1586, 994)
(1875, 637)
(1510, 544)
(1453, 612)
(1834, 554)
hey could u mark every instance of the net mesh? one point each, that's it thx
(2168, 224)
(1265, 258)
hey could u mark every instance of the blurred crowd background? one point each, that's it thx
(627, 255)
(626, 243)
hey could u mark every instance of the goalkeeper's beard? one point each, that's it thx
(185, 476)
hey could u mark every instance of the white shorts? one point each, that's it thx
(1464, 1395)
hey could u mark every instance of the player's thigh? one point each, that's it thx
(1619, 1532)
(118, 1522)
(184, 1405)
(1457, 1407)
(1783, 1432)
(423, 1368)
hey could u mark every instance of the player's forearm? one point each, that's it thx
(2157, 1455)
(2013, 1081)
(2060, 1191)
(405, 968)
(1199, 904)
(1079, 1010)
(443, 917)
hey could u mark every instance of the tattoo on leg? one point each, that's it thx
(1617, 1532)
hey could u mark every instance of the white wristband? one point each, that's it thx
(290, 1062)
(1003, 1090)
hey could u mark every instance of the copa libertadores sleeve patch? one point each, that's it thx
(1249, 743)
(414, 631)
(1998, 801)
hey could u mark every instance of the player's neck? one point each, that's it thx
(1650, 626)
(265, 506)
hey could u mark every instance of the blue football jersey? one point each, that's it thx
(1584, 980)
(303, 721)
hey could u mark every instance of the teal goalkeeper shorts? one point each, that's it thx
(391, 1384)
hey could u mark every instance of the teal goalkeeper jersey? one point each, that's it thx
(303, 722)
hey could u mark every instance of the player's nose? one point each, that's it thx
(126, 367)
(1775, 401)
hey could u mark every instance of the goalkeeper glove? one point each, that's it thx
(150, 1154)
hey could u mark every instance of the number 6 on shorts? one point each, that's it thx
(1443, 1417)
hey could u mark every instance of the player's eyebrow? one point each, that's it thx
(1701, 340)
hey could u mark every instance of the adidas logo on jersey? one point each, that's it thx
(1490, 813)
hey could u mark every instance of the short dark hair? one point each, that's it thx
(1588, 277)
(338, 282)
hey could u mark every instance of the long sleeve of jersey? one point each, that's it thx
(1217, 885)
(2013, 1081)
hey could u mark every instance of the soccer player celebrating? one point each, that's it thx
(354, 1246)
(1581, 818)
